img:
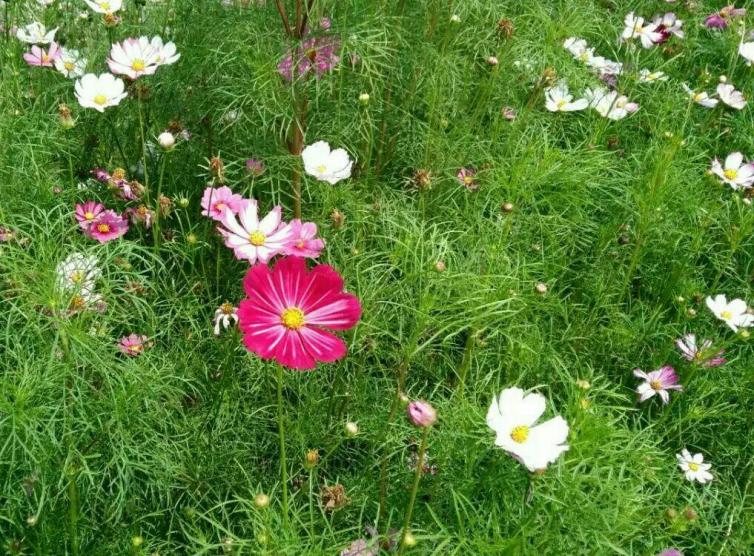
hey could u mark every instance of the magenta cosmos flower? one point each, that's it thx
(87, 212)
(216, 200)
(317, 55)
(132, 344)
(699, 353)
(43, 58)
(721, 19)
(304, 241)
(107, 226)
(254, 239)
(658, 382)
(290, 311)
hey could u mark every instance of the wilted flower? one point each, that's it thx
(251, 238)
(140, 215)
(736, 173)
(559, 99)
(658, 382)
(255, 167)
(326, 165)
(700, 98)
(87, 213)
(42, 58)
(362, 547)
(512, 417)
(467, 177)
(133, 344)
(290, 311)
(100, 91)
(701, 354)
(730, 96)
(304, 241)
(70, 63)
(421, 413)
(107, 226)
(334, 497)
(36, 33)
(225, 315)
(733, 313)
(693, 467)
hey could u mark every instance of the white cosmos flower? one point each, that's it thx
(671, 24)
(735, 173)
(100, 91)
(636, 27)
(36, 33)
(559, 99)
(513, 416)
(609, 103)
(133, 58)
(326, 165)
(105, 6)
(77, 273)
(746, 49)
(582, 52)
(70, 63)
(701, 98)
(225, 316)
(578, 48)
(45, 3)
(646, 76)
(730, 96)
(166, 53)
(693, 467)
(253, 239)
(733, 314)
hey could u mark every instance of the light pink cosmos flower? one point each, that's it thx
(86, 213)
(253, 239)
(318, 55)
(133, 344)
(734, 172)
(467, 177)
(216, 200)
(657, 382)
(700, 354)
(107, 226)
(134, 58)
(304, 241)
(42, 58)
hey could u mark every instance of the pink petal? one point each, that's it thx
(322, 345)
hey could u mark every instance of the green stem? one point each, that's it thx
(143, 148)
(73, 491)
(281, 434)
(415, 489)
(466, 360)
(156, 232)
(117, 141)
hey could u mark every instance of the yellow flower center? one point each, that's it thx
(698, 96)
(89, 215)
(731, 174)
(226, 308)
(103, 228)
(292, 318)
(520, 433)
(726, 315)
(77, 276)
(138, 65)
(68, 66)
(468, 180)
(638, 28)
(300, 244)
(655, 385)
(135, 348)
(257, 238)
(220, 206)
(100, 99)
(45, 57)
(321, 169)
(694, 466)
(584, 56)
(561, 104)
(104, 5)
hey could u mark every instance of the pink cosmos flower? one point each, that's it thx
(253, 239)
(721, 19)
(133, 344)
(42, 58)
(101, 175)
(290, 312)
(700, 354)
(304, 241)
(107, 226)
(86, 213)
(421, 413)
(216, 200)
(318, 55)
(657, 382)
(255, 167)
(467, 177)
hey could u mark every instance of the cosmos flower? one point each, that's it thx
(216, 200)
(635, 27)
(658, 382)
(100, 91)
(78, 273)
(326, 165)
(559, 99)
(746, 49)
(290, 311)
(36, 33)
(701, 98)
(133, 58)
(646, 76)
(70, 63)
(304, 241)
(693, 467)
(225, 316)
(140, 215)
(730, 96)
(701, 354)
(610, 104)
(107, 226)
(721, 18)
(105, 6)
(467, 177)
(668, 25)
(318, 56)
(166, 53)
(87, 213)
(133, 344)
(585, 54)
(670, 552)
(253, 239)
(254, 167)
(736, 173)
(513, 416)
(733, 313)
(42, 58)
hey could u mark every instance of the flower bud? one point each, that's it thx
(312, 459)
(409, 540)
(364, 98)
(422, 414)
(182, 202)
(507, 207)
(191, 238)
(492, 61)
(440, 266)
(166, 140)
(137, 541)
(455, 18)
(541, 288)
(261, 500)
(352, 429)
(254, 167)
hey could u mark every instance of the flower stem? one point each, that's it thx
(281, 434)
(415, 488)
(156, 230)
(143, 146)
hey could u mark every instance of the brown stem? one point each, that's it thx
(295, 146)
(305, 18)
(284, 17)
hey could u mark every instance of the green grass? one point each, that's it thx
(618, 219)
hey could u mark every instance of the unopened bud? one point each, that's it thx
(261, 500)
(409, 540)
(364, 98)
(166, 140)
(352, 429)
(541, 288)
(312, 459)
(137, 541)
